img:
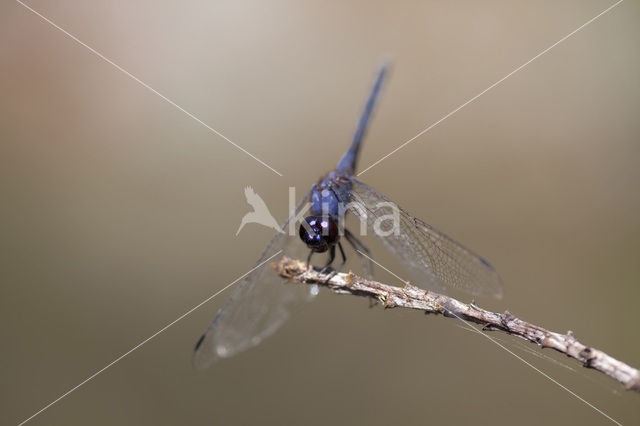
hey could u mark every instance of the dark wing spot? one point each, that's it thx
(487, 264)
(199, 342)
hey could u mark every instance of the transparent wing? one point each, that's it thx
(432, 257)
(260, 304)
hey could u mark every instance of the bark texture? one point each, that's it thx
(413, 297)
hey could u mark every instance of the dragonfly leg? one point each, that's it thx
(333, 255)
(344, 258)
(309, 259)
(367, 264)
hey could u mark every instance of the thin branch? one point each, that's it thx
(416, 298)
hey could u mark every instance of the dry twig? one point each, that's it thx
(416, 298)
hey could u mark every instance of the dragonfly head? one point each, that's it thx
(319, 233)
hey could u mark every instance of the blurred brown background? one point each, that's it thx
(118, 212)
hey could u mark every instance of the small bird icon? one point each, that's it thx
(260, 213)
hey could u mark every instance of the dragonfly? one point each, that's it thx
(262, 303)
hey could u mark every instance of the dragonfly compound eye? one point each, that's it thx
(319, 233)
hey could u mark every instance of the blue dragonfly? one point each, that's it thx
(261, 303)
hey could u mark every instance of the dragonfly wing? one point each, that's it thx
(260, 304)
(432, 257)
